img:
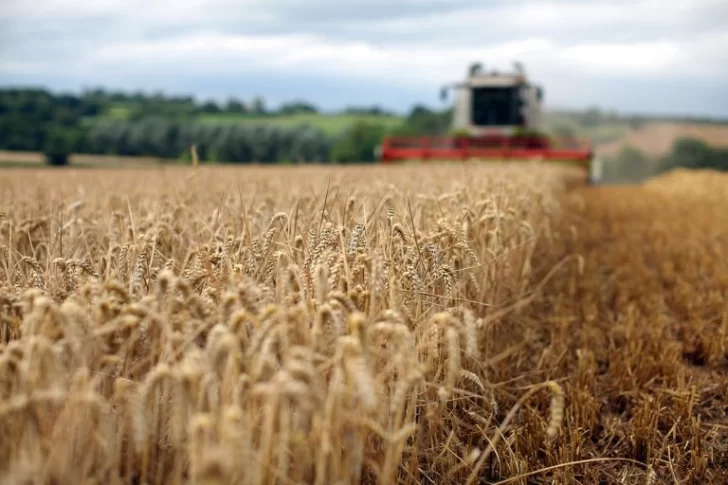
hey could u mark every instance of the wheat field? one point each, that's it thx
(460, 323)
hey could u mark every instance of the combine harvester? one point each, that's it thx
(497, 116)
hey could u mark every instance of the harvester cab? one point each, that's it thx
(495, 103)
(496, 115)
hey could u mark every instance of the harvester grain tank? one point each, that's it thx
(496, 115)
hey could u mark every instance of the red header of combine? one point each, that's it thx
(495, 146)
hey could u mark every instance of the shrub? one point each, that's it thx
(629, 165)
(358, 143)
(693, 153)
(58, 146)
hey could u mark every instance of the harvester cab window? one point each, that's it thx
(495, 106)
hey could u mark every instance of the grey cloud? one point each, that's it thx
(62, 44)
(332, 11)
(381, 22)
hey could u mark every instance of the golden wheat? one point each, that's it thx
(260, 325)
(456, 323)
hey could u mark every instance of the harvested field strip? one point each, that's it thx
(641, 340)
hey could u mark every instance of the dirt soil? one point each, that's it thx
(641, 336)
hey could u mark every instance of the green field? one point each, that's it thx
(603, 131)
(332, 124)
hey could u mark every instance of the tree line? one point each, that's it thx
(242, 143)
(166, 126)
(156, 125)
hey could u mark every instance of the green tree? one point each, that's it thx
(630, 165)
(297, 107)
(358, 142)
(58, 146)
(210, 107)
(424, 121)
(367, 110)
(257, 106)
(235, 106)
(693, 153)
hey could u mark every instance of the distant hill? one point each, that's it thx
(657, 138)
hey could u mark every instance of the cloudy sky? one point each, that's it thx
(653, 56)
